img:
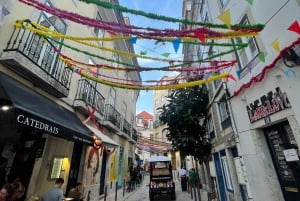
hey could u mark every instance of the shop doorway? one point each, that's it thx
(23, 156)
(75, 165)
(103, 170)
(284, 152)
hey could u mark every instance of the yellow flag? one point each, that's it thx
(226, 18)
(275, 45)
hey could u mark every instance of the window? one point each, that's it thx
(43, 53)
(223, 109)
(210, 127)
(224, 113)
(123, 114)
(226, 172)
(112, 97)
(248, 54)
(99, 32)
(204, 12)
(223, 3)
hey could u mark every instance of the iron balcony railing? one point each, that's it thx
(39, 50)
(88, 93)
(112, 115)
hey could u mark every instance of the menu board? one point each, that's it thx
(277, 145)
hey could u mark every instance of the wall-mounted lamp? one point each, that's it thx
(290, 58)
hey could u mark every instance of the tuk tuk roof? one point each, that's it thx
(159, 158)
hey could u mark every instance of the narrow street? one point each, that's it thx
(142, 194)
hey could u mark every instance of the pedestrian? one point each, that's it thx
(55, 193)
(183, 177)
(193, 177)
(6, 192)
(75, 192)
(19, 190)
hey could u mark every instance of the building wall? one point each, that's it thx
(39, 182)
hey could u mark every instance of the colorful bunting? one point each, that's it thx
(261, 76)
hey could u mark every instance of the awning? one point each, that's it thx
(35, 111)
(105, 139)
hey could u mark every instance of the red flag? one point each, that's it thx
(295, 27)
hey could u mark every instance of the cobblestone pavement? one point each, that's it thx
(142, 194)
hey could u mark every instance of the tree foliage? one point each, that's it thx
(185, 116)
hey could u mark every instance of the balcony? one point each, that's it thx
(114, 121)
(87, 95)
(36, 59)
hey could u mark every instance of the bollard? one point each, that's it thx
(199, 193)
(116, 195)
(124, 186)
(195, 195)
(105, 192)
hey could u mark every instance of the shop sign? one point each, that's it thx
(268, 104)
(37, 124)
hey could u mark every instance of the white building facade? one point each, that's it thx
(254, 121)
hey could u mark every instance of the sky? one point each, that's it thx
(170, 8)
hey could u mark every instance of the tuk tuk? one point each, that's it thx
(161, 177)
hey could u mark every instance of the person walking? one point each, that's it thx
(55, 193)
(75, 192)
(183, 177)
(193, 177)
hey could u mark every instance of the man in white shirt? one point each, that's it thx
(183, 177)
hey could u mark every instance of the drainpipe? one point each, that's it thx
(237, 141)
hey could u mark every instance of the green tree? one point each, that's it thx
(185, 116)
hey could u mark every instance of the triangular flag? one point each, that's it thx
(176, 44)
(226, 18)
(262, 56)
(206, 75)
(4, 11)
(112, 33)
(250, 66)
(166, 54)
(275, 45)
(215, 74)
(231, 77)
(250, 2)
(143, 52)
(295, 27)
(201, 36)
(238, 72)
(133, 40)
